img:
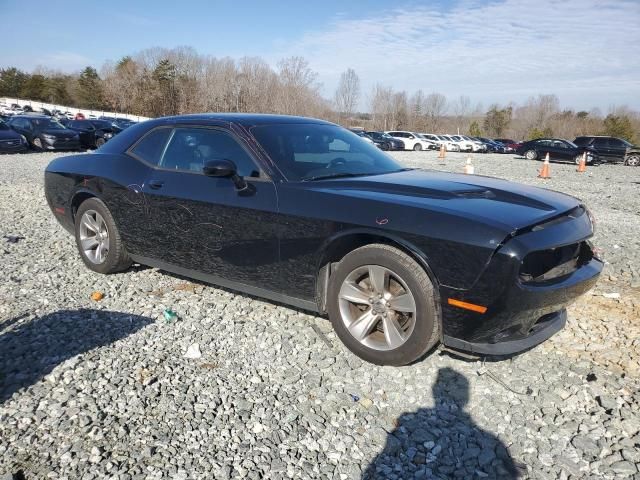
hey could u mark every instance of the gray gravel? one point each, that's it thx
(104, 390)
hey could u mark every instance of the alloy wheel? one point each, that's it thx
(94, 237)
(633, 160)
(377, 307)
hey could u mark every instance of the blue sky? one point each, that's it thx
(585, 51)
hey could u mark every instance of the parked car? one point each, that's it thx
(411, 140)
(79, 116)
(382, 145)
(509, 143)
(106, 126)
(123, 123)
(363, 135)
(558, 149)
(89, 136)
(393, 143)
(11, 141)
(440, 140)
(27, 109)
(611, 149)
(493, 146)
(45, 133)
(304, 212)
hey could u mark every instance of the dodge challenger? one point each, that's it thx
(306, 213)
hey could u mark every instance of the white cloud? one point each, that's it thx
(585, 51)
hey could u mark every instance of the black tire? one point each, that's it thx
(417, 147)
(117, 258)
(36, 144)
(426, 330)
(100, 141)
(531, 155)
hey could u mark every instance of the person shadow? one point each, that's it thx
(443, 442)
(31, 349)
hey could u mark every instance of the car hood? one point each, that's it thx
(502, 204)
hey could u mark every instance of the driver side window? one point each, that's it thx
(190, 148)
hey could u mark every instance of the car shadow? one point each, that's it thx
(443, 441)
(29, 350)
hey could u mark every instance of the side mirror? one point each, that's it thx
(219, 168)
(226, 168)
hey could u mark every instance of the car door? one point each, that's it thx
(602, 146)
(560, 150)
(617, 148)
(205, 224)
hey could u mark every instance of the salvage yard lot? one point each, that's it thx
(103, 390)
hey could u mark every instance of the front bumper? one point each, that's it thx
(543, 329)
(525, 288)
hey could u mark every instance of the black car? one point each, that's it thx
(558, 150)
(106, 126)
(85, 130)
(611, 149)
(11, 141)
(90, 136)
(387, 140)
(45, 133)
(307, 213)
(123, 123)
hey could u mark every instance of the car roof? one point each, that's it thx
(33, 116)
(245, 119)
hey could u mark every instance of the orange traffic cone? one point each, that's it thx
(582, 164)
(468, 168)
(545, 171)
(443, 152)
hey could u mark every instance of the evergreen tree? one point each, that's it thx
(90, 94)
(619, 126)
(12, 82)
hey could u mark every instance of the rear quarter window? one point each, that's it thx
(149, 149)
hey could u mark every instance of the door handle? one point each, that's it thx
(155, 184)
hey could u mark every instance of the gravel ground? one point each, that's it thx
(104, 389)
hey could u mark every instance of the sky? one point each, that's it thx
(587, 52)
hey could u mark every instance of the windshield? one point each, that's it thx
(311, 151)
(49, 124)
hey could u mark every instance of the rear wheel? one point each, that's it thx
(382, 306)
(633, 160)
(98, 239)
(531, 155)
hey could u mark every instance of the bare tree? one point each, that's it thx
(435, 105)
(348, 93)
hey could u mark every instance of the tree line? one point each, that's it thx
(159, 81)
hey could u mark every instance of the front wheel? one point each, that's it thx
(98, 239)
(37, 143)
(382, 306)
(417, 147)
(633, 160)
(100, 141)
